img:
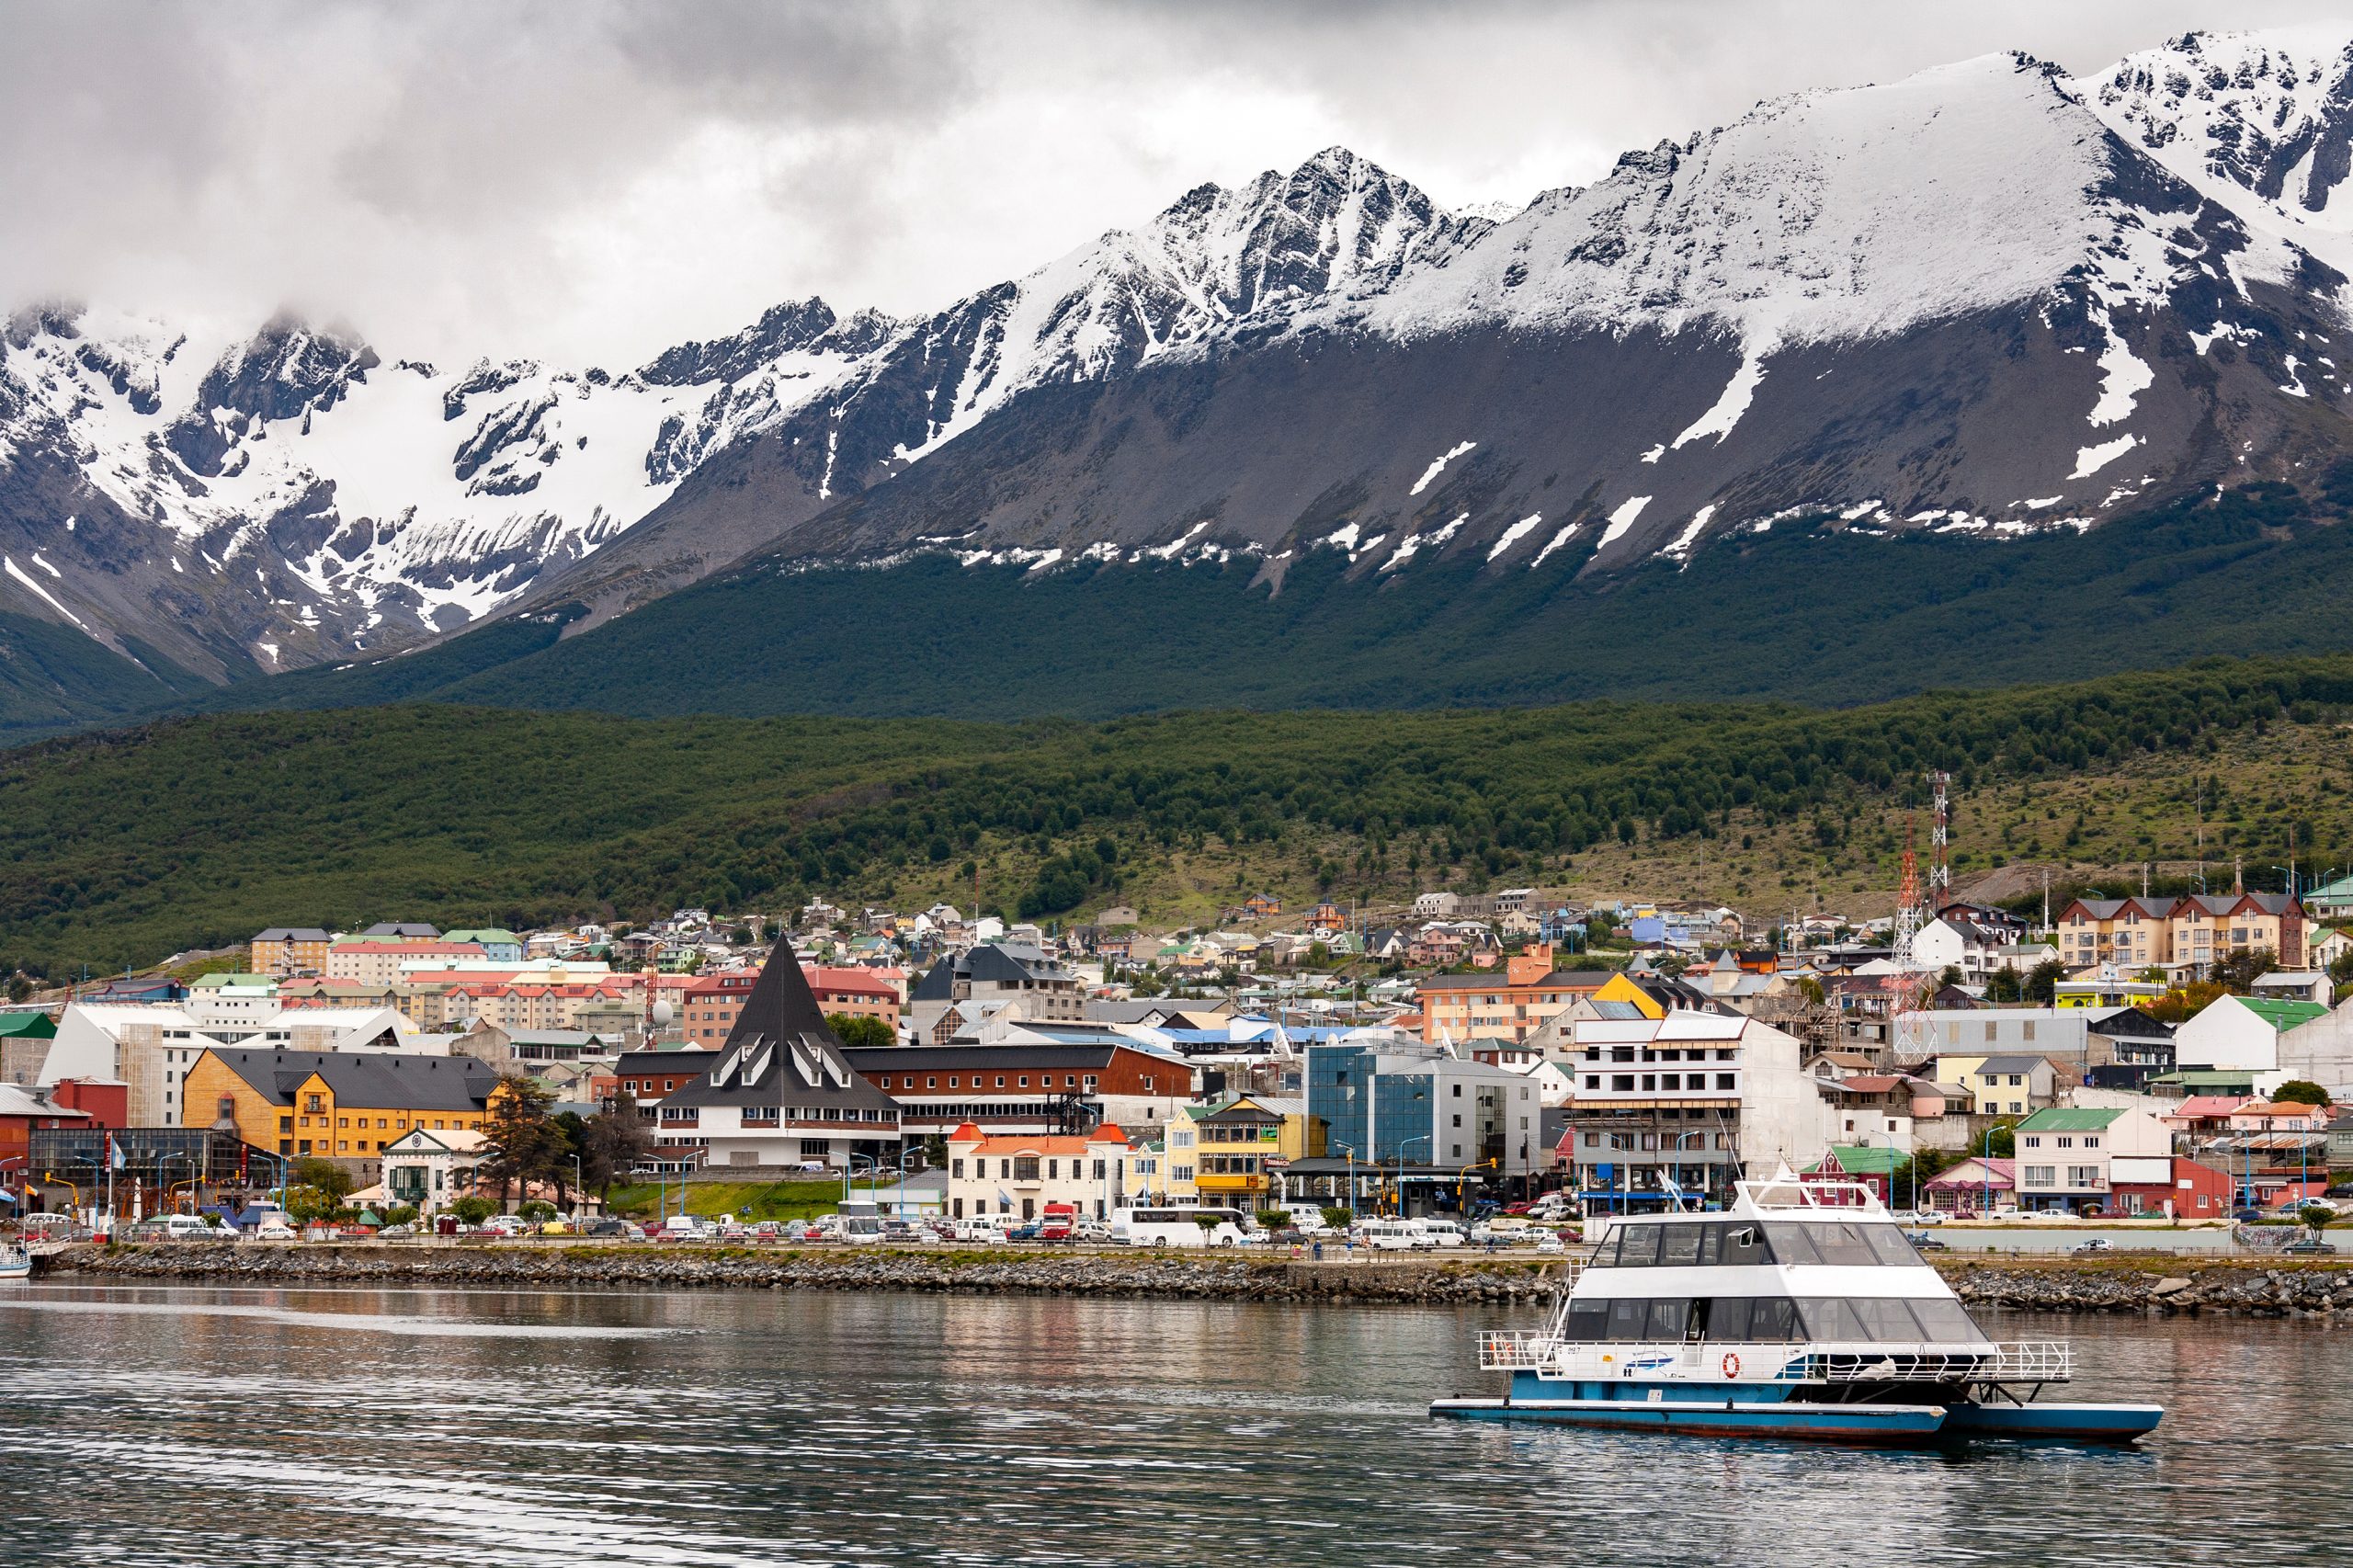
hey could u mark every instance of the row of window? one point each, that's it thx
(1771, 1320)
(1045, 1081)
(1025, 1168)
(1708, 1244)
(1632, 1141)
(2079, 1177)
(1728, 1082)
(2034, 1141)
(1628, 1053)
(400, 1123)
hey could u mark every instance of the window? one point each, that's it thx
(1025, 1168)
(1724, 1081)
(2041, 1176)
(2082, 1175)
(2091, 1141)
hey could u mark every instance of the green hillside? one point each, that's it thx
(119, 848)
(1810, 612)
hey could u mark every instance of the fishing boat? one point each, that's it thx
(1801, 1312)
(16, 1263)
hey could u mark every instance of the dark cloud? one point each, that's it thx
(590, 179)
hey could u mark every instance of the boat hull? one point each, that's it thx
(2083, 1423)
(1880, 1425)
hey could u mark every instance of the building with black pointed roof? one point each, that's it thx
(778, 1091)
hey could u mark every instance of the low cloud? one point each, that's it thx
(588, 180)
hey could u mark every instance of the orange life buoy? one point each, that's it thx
(1732, 1365)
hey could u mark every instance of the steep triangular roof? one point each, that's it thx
(781, 1006)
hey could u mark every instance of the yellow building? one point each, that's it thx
(339, 1105)
(285, 951)
(1237, 1148)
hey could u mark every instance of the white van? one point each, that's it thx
(1441, 1233)
(1394, 1235)
(1307, 1218)
(190, 1227)
(985, 1227)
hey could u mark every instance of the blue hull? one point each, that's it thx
(1891, 1425)
(2084, 1422)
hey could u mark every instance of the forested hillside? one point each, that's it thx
(117, 849)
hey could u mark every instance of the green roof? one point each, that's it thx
(2066, 1120)
(1861, 1159)
(218, 978)
(485, 938)
(2282, 1014)
(28, 1024)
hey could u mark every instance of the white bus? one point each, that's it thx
(1176, 1227)
(1394, 1235)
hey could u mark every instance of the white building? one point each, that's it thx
(2241, 1033)
(1699, 1098)
(151, 1046)
(1020, 1173)
(429, 1169)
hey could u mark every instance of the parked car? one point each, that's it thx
(1095, 1233)
(620, 1228)
(274, 1232)
(1028, 1233)
(2315, 1248)
(2249, 1216)
(2095, 1244)
(1923, 1241)
(396, 1233)
(1928, 1217)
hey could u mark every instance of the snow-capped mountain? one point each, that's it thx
(1984, 298)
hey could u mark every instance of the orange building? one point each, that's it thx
(1529, 991)
(343, 1105)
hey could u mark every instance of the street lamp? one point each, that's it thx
(1401, 1146)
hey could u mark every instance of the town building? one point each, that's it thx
(380, 963)
(152, 1049)
(498, 944)
(1690, 1100)
(1388, 1099)
(1020, 1173)
(345, 1106)
(2243, 1032)
(781, 1092)
(431, 1170)
(1042, 987)
(2064, 1154)
(1029, 1088)
(1510, 1006)
(289, 951)
(1240, 1146)
(2017, 1084)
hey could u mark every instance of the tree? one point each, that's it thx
(2340, 969)
(1275, 1219)
(325, 1177)
(538, 1209)
(524, 1143)
(401, 1214)
(473, 1209)
(1951, 976)
(2000, 1141)
(2238, 970)
(612, 1142)
(2042, 983)
(2300, 1091)
(306, 1204)
(2005, 985)
(1339, 1219)
(856, 1030)
(2183, 1002)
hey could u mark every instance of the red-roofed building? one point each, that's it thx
(1019, 1174)
(2204, 1116)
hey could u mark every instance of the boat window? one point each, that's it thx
(1680, 1244)
(1587, 1322)
(1667, 1318)
(1889, 1245)
(1638, 1246)
(1727, 1317)
(1628, 1318)
(1741, 1244)
(1947, 1322)
(1886, 1322)
(1843, 1242)
(1773, 1318)
(1831, 1318)
(1790, 1244)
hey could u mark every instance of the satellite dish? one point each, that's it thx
(661, 1013)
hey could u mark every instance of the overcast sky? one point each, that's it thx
(586, 181)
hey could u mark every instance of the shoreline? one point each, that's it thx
(2165, 1286)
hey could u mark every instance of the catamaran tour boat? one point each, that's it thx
(1801, 1313)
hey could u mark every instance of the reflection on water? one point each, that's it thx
(311, 1426)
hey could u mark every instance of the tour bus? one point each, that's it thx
(985, 1227)
(861, 1221)
(1176, 1227)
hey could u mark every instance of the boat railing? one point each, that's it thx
(1539, 1351)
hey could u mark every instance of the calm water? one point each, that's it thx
(349, 1427)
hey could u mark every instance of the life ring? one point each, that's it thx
(1732, 1365)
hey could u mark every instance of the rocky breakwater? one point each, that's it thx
(1497, 1281)
(2168, 1285)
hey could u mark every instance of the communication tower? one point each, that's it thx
(1908, 903)
(1939, 867)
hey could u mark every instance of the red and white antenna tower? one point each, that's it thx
(1939, 868)
(1908, 902)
